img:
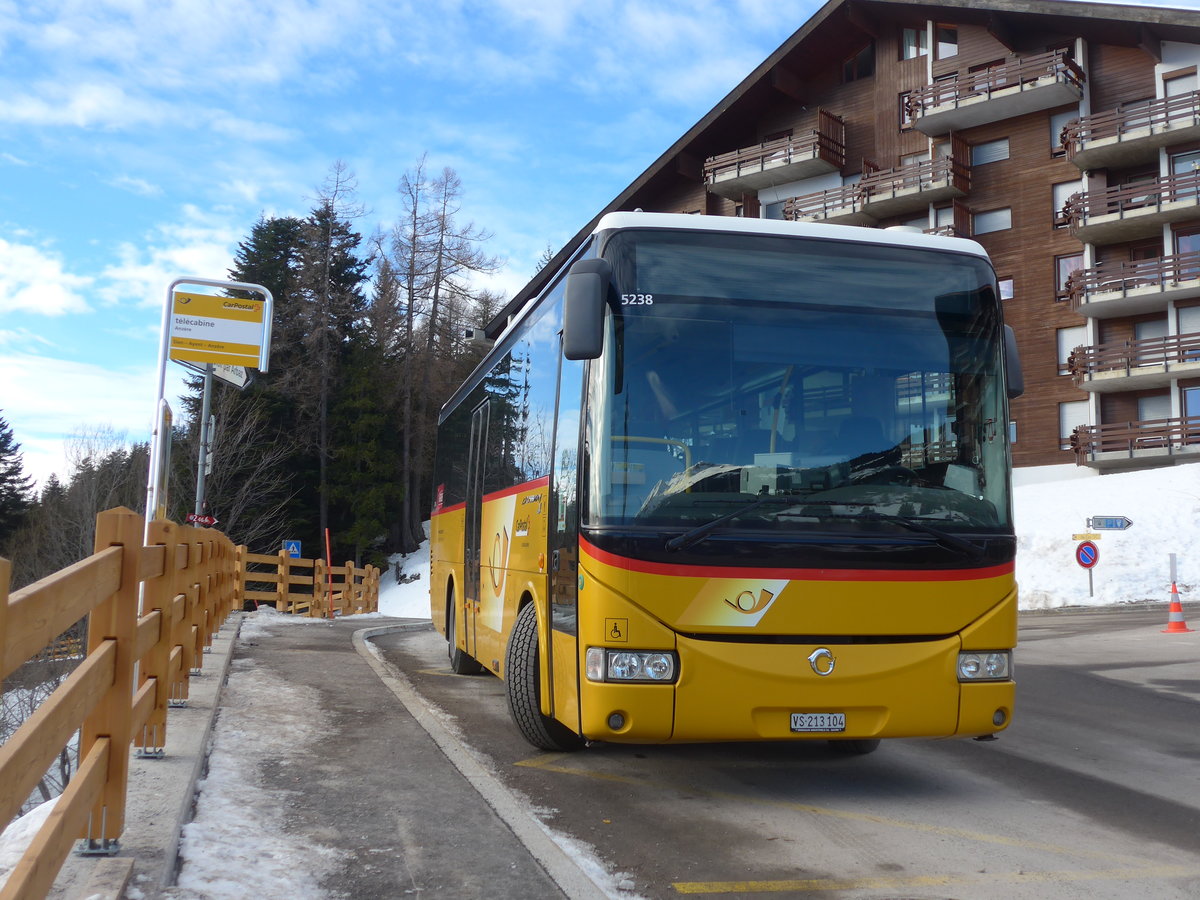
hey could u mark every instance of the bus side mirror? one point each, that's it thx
(583, 308)
(1012, 365)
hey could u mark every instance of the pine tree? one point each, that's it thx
(16, 487)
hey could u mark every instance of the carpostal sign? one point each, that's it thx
(209, 330)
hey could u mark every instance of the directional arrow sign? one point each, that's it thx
(206, 521)
(1109, 523)
(238, 376)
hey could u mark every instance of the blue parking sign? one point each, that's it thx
(292, 549)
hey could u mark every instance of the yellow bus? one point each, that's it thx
(733, 479)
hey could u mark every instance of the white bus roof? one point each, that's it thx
(882, 236)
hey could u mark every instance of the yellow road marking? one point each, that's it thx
(925, 881)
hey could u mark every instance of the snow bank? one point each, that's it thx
(1134, 566)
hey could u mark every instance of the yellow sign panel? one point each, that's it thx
(216, 330)
(1086, 537)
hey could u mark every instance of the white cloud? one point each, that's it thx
(200, 243)
(136, 186)
(34, 281)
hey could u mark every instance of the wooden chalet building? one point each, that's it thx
(1063, 137)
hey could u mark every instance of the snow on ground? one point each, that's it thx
(1134, 565)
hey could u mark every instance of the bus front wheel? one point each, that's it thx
(523, 688)
(461, 663)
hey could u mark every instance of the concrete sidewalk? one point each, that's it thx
(381, 790)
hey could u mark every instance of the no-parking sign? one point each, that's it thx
(1087, 554)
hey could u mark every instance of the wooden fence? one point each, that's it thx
(307, 587)
(151, 609)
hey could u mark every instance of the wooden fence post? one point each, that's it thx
(158, 596)
(114, 618)
(349, 595)
(5, 577)
(239, 590)
(320, 592)
(283, 603)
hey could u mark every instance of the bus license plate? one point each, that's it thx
(807, 721)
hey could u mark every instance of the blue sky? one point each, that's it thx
(141, 139)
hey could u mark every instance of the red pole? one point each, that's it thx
(329, 571)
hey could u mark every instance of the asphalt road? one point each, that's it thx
(1093, 792)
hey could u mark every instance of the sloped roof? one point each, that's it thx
(1109, 23)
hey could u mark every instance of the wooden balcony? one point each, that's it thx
(837, 206)
(792, 158)
(1026, 85)
(1128, 212)
(1132, 133)
(904, 189)
(1135, 365)
(1133, 288)
(1137, 445)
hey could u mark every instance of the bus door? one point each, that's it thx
(476, 461)
(563, 534)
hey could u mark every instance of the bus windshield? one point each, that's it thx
(797, 385)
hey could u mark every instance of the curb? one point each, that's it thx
(562, 869)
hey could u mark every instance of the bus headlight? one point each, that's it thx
(647, 666)
(985, 665)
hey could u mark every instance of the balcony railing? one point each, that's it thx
(892, 192)
(882, 193)
(1134, 365)
(1025, 85)
(1131, 445)
(1133, 210)
(842, 206)
(774, 162)
(1132, 133)
(1130, 288)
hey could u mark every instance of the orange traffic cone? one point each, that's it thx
(1175, 621)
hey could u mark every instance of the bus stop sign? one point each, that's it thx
(1087, 554)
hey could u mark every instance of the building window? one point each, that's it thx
(989, 152)
(1180, 82)
(1012, 432)
(1006, 288)
(1060, 194)
(914, 42)
(739, 210)
(1064, 267)
(1154, 408)
(1068, 340)
(1071, 415)
(992, 220)
(947, 41)
(906, 119)
(860, 65)
(1058, 122)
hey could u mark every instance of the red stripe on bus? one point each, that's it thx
(689, 571)
(544, 481)
(448, 509)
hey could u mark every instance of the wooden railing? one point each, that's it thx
(1150, 194)
(307, 587)
(150, 608)
(824, 204)
(1127, 356)
(1156, 435)
(826, 142)
(985, 82)
(1155, 115)
(921, 175)
(1124, 276)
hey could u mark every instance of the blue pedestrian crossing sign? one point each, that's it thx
(292, 549)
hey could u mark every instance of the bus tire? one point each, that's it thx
(860, 747)
(461, 663)
(523, 688)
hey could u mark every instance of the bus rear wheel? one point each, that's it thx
(461, 663)
(523, 688)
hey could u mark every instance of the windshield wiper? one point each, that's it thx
(681, 541)
(874, 515)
